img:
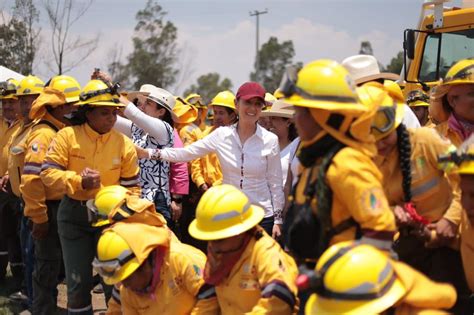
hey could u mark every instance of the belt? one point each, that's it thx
(82, 202)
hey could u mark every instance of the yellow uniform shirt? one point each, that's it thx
(33, 192)
(6, 132)
(186, 131)
(446, 133)
(435, 194)
(181, 289)
(75, 148)
(205, 170)
(356, 184)
(16, 158)
(263, 281)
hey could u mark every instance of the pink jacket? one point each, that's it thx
(179, 178)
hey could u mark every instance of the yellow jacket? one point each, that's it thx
(33, 192)
(261, 282)
(423, 295)
(205, 170)
(356, 184)
(6, 132)
(75, 148)
(467, 250)
(16, 159)
(185, 132)
(435, 194)
(181, 289)
(446, 133)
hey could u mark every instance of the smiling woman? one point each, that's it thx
(248, 154)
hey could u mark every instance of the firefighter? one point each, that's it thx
(28, 90)
(251, 272)
(186, 116)
(353, 278)
(41, 204)
(339, 195)
(424, 198)
(81, 159)
(197, 101)
(10, 249)
(158, 276)
(451, 103)
(418, 101)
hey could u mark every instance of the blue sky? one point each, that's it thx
(219, 36)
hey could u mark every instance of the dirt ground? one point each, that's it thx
(7, 307)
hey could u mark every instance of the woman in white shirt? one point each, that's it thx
(248, 154)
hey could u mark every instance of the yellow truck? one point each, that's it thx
(444, 36)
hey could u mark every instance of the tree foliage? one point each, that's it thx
(19, 37)
(274, 58)
(155, 52)
(208, 85)
(396, 64)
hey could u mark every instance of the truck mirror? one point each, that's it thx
(409, 43)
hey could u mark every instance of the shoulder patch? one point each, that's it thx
(372, 199)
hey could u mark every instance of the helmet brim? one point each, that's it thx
(123, 273)
(320, 305)
(354, 107)
(102, 103)
(200, 232)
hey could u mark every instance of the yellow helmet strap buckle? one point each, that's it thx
(110, 90)
(108, 268)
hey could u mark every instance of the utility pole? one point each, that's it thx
(257, 14)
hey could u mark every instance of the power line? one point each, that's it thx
(257, 14)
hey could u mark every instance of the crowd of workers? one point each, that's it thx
(336, 194)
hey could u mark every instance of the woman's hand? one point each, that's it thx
(276, 231)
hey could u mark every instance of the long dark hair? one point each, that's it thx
(404, 156)
(79, 116)
(167, 116)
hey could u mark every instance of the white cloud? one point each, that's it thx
(231, 52)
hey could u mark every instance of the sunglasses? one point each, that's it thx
(108, 268)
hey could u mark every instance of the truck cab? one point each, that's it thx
(444, 36)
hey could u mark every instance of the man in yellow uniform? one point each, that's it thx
(339, 195)
(81, 159)
(186, 115)
(197, 101)
(354, 278)
(251, 272)
(28, 90)
(10, 249)
(158, 276)
(41, 204)
(419, 102)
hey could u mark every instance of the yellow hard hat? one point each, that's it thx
(461, 72)
(389, 112)
(417, 98)
(269, 99)
(115, 260)
(354, 279)
(196, 100)
(97, 93)
(8, 89)
(30, 85)
(224, 98)
(107, 199)
(224, 211)
(322, 84)
(68, 86)
(278, 94)
(123, 247)
(185, 112)
(460, 160)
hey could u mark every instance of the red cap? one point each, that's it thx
(249, 90)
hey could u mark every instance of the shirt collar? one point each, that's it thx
(94, 135)
(259, 132)
(54, 121)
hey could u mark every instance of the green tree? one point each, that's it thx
(19, 37)
(208, 85)
(274, 58)
(396, 64)
(154, 55)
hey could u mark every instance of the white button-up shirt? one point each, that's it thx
(254, 166)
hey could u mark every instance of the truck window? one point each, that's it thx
(454, 47)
